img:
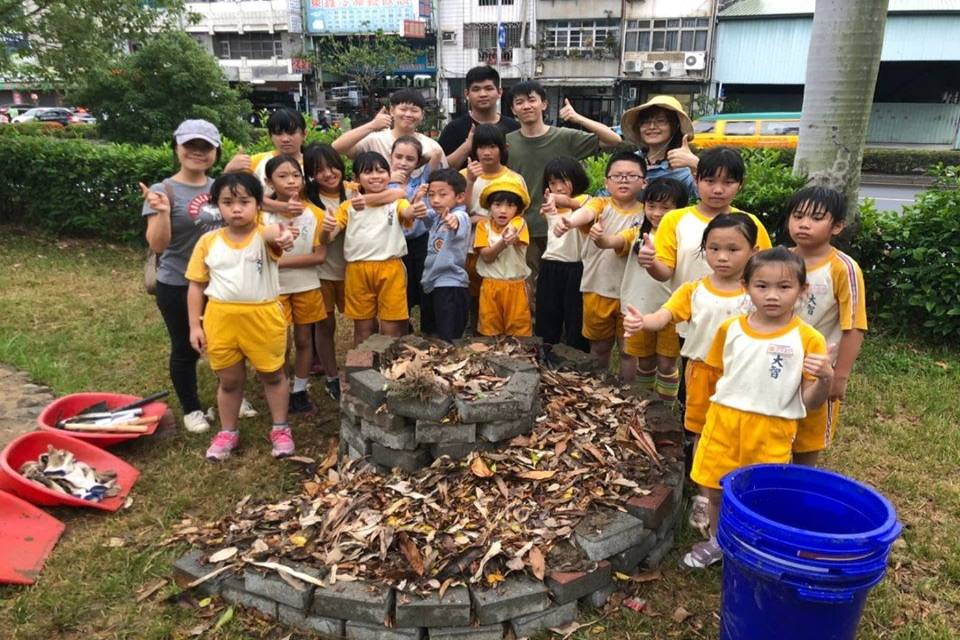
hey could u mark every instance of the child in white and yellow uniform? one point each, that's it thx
(502, 241)
(772, 366)
(235, 269)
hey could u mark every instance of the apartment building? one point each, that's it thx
(256, 42)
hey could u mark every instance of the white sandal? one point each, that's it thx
(702, 555)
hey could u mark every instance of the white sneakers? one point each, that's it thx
(247, 410)
(195, 422)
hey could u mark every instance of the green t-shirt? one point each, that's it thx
(528, 157)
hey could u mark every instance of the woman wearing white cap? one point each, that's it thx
(663, 131)
(178, 212)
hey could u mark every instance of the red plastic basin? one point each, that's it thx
(29, 446)
(28, 535)
(71, 405)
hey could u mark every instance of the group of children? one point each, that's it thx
(669, 282)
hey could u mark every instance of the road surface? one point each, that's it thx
(890, 197)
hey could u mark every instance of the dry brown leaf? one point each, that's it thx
(480, 468)
(680, 614)
(542, 474)
(223, 554)
(409, 550)
(538, 564)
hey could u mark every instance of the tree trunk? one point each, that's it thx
(842, 66)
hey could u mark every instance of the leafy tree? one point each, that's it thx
(363, 59)
(146, 94)
(58, 39)
(842, 66)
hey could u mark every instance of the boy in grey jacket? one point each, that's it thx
(446, 300)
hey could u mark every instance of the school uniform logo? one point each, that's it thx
(779, 354)
(204, 213)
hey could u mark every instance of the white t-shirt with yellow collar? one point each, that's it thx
(704, 308)
(569, 246)
(308, 223)
(374, 233)
(244, 271)
(602, 268)
(511, 264)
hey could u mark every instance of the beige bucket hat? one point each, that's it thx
(631, 117)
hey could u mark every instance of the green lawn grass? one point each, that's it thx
(73, 314)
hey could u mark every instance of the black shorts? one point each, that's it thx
(443, 312)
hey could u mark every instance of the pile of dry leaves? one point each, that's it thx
(456, 522)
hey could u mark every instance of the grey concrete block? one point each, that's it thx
(668, 526)
(505, 366)
(318, 624)
(368, 386)
(563, 356)
(401, 437)
(191, 566)
(234, 593)
(408, 460)
(433, 408)
(515, 597)
(658, 553)
(360, 601)
(439, 432)
(452, 611)
(602, 537)
(363, 631)
(351, 434)
(627, 560)
(489, 407)
(356, 410)
(500, 430)
(488, 632)
(354, 454)
(272, 586)
(378, 343)
(567, 586)
(598, 598)
(555, 616)
(458, 450)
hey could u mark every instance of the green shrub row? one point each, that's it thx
(52, 129)
(878, 160)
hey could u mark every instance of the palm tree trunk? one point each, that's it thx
(842, 66)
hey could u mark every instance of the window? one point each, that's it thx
(233, 46)
(484, 35)
(673, 34)
(566, 35)
(740, 128)
(780, 128)
(493, 3)
(701, 126)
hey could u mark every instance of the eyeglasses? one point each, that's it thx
(624, 177)
(657, 121)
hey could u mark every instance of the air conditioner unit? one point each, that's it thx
(631, 65)
(694, 61)
(659, 66)
(449, 37)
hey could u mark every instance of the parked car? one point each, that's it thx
(82, 117)
(10, 110)
(46, 114)
(774, 130)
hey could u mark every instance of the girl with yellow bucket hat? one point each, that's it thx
(663, 131)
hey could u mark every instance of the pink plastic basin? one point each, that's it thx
(29, 446)
(28, 535)
(71, 405)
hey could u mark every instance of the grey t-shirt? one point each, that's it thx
(191, 216)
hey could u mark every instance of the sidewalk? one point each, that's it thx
(890, 180)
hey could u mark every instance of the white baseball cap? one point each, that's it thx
(197, 130)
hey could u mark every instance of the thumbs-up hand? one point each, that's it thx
(596, 232)
(156, 200)
(383, 120)
(567, 112)
(419, 206)
(562, 226)
(450, 220)
(682, 156)
(474, 169)
(632, 321)
(509, 236)
(646, 254)
(549, 206)
(288, 233)
(294, 206)
(329, 221)
(820, 365)
(358, 202)
(239, 162)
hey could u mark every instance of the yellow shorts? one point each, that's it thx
(234, 331)
(376, 289)
(504, 308)
(700, 380)
(333, 295)
(601, 317)
(816, 431)
(732, 439)
(475, 278)
(644, 344)
(303, 307)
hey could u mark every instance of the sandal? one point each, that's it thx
(702, 555)
(699, 513)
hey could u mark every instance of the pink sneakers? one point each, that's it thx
(223, 445)
(282, 440)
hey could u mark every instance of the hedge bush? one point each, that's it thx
(880, 160)
(86, 131)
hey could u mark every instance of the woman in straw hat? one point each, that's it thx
(663, 131)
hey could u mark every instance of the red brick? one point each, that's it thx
(360, 359)
(567, 586)
(652, 508)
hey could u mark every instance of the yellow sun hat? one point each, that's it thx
(508, 183)
(631, 117)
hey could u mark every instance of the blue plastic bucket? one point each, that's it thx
(802, 548)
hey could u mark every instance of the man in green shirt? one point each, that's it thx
(536, 143)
